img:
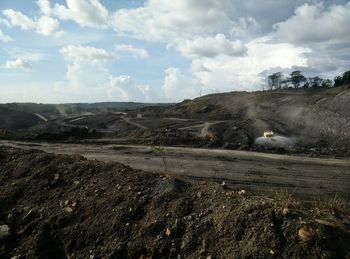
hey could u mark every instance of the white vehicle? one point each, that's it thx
(268, 134)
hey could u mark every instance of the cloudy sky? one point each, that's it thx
(56, 51)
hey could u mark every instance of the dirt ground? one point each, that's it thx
(59, 206)
(302, 176)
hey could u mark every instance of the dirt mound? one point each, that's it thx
(57, 206)
(167, 137)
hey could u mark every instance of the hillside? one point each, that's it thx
(310, 116)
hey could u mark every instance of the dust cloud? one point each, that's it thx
(276, 141)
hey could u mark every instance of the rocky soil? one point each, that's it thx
(57, 206)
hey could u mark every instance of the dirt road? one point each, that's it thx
(239, 169)
(128, 120)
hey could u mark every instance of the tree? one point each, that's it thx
(161, 151)
(327, 83)
(346, 77)
(285, 82)
(297, 78)
(274, 80)
(342, 80)
(338, 81)
(315, 81)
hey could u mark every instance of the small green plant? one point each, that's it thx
(161, 152)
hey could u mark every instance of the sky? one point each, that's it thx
(61, 51)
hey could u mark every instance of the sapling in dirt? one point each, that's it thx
(161, 152)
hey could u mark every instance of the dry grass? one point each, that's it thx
(334, 204)
(285, 196)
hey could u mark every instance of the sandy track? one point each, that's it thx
(41, 117)
(203, 128)
(240, 169)
(127, 120)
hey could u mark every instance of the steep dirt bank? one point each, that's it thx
(58, 206)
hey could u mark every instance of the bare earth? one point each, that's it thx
(303, 176)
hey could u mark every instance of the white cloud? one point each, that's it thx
(315, 23)
(48, 26)
(83, 77)
(87, 72)
(18, 63)
(90, 13)
(245, 28)
(86, 53)
(136, 52)
(31, 55)
(164, 21)
(4, 22)
(44, 25)
(211, 47)
(243, 73)
(19, 19)
(324, 30)
(124, 88)
(86, 69)
(44, 6)
(86, 78)
(178, 87)
(5, 38)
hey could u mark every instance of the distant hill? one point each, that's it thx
(319, 115)
(73, 108)
(17, 120)
(22, 116)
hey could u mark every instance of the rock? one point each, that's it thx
(189, 218)
(305, 234)
(68, 209)
(4, 231)
(285, 211)
(168, 232)
(241, 192)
